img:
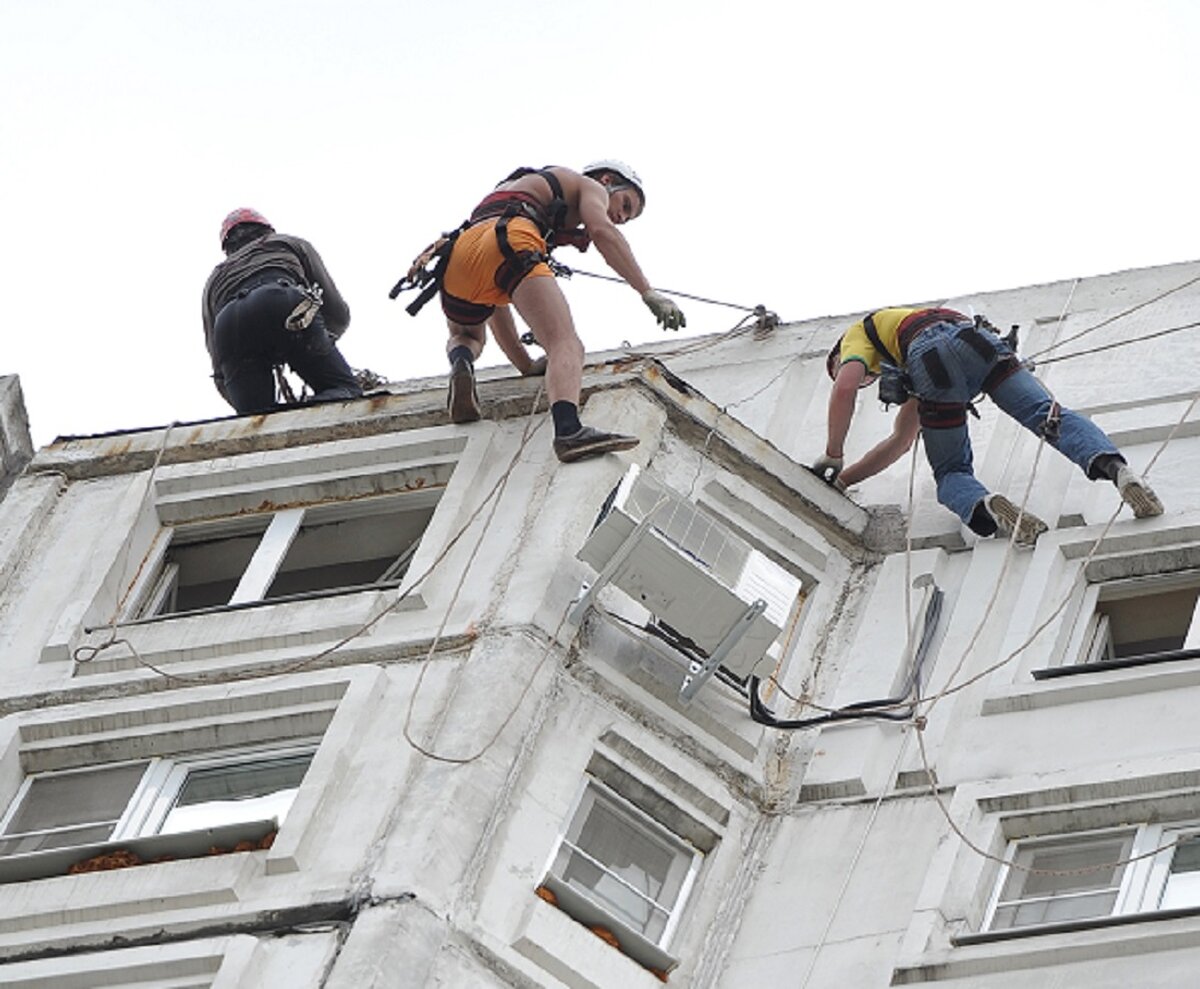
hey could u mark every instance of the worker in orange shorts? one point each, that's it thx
(500, 256)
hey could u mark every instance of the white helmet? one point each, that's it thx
(620, 168)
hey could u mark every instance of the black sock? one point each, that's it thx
(1105, 466)
(566, 418)
(981, 522)
(462, 353)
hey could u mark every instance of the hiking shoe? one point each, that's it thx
(1006, 516)
(589, 442)
(1137, 494)
(463, 401)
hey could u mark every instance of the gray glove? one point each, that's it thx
(669, 315)
(827, 469)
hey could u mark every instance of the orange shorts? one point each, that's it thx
(471, 273)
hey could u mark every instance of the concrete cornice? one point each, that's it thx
(695, 418)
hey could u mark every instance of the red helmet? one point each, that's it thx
(243, 215)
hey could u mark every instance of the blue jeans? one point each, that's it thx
(948, 363)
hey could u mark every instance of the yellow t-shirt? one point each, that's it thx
(857, 346)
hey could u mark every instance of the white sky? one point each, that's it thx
(818, 158)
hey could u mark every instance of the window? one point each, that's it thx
(204, 795)
(618, 868)
(1097, 875)
(288, 553)
(79, 807)
(1143, 616)
(69, 808)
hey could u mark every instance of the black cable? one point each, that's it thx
(885, 709)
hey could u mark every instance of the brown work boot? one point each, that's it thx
(463, 400)
(1137, 494)
(1006, 516)
(589, 442)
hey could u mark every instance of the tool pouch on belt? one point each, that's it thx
(895, 388)
(301, 317)
(894, 385)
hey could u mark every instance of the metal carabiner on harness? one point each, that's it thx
(1051, 427)
(305, 311)
(420, 272)
(427, 270)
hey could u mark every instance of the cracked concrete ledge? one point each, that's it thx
(285, 920)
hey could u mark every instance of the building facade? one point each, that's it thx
(348, 697)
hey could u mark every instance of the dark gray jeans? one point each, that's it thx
(250, 339)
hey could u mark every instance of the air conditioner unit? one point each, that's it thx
(692, 573)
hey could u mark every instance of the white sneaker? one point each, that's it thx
(1009, 518)
(1137, 494)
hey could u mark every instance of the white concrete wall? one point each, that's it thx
(831, 863)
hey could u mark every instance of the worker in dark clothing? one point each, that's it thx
(272, 302)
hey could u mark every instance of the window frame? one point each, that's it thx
(283, 526)
(1143, 881)
(1087, 646)
(155, 793)
(17, 802)
(649, 951)
(443, 459)
(1097, 634)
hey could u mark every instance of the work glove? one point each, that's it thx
(827, 469)
(669, 315)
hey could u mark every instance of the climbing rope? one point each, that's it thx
(564, 271)
(1117, 343)
(1112, 319)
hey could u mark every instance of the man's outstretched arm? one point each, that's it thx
(609, 241)
(887, 452)
(618, 255)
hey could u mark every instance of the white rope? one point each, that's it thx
(862, 844)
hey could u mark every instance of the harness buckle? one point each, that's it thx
(305, 311)
(1051, 428)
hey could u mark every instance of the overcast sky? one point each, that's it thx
(816, 157)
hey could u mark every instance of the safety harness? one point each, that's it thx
(429, 268)
(895, 386)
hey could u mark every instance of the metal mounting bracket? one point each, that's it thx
(699, 673)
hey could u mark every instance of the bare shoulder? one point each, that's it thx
(570, 180)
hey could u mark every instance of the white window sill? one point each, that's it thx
(574, 955)
(972, 957)
(1129, 662)
(1068, 927)
(308, 622)
(1096, 681)
(55, 862)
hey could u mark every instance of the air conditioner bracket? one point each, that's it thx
(698, 673)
